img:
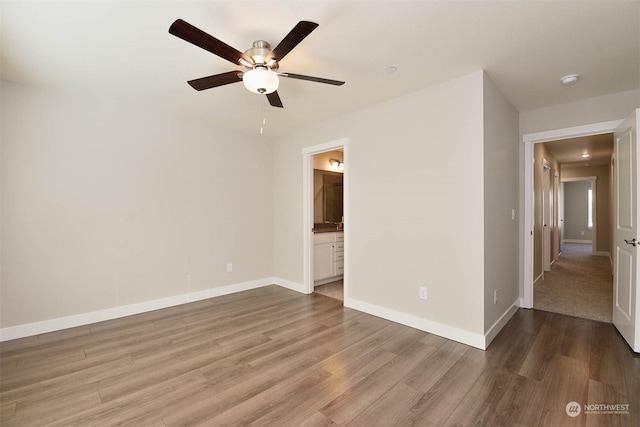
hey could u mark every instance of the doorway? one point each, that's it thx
(575, 277)
(529, 225)
(327, 240)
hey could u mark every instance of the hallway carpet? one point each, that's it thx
(579, 284)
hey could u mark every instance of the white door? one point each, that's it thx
(627, 214)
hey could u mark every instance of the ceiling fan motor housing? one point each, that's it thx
(259, 53)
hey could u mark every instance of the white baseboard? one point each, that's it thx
(500, 323)
(445, 331)
(36, 328)
(577, 241)
(294, 286)
(541, 276)
(603, 253)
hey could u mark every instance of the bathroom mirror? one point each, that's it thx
(328, 196)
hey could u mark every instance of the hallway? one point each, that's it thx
(579, 284)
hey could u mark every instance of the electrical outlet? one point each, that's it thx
(423, 292)
(495, 296)
(229, 268)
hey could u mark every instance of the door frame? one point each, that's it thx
(528, 140)
(307, 208)
(546, 216)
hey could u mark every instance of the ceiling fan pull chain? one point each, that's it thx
(264, 120)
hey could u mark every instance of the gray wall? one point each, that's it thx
(604, 202)
(575, 211)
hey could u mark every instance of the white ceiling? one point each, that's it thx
(122, 50)
(568, 152)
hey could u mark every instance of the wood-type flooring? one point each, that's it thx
(274, 357)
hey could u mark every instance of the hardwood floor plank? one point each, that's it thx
(143, 407)
(520, 405)
(370, 338)
(351, 403)
(294, 412)
(404, 341)
(85, 380)
(479, 404)
(510, 348)
(149, 375)
(429, 371)
(70, 371)
(388, 408)
(7, 348)
(7, 413)
(437, 404)
(47, 409)
(274, 357)
(600, 393)
(221, 400)
(568, 382)
(260, 404)
(316, 420)
(545, 348)
(577, 339)
(433, 340)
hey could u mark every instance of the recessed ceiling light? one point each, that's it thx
(570, 79)
(585, 155)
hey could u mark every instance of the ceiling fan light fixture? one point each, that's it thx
(261, 80)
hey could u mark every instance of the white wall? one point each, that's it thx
(593, 110)
(500, 198)
(105, 205)
(419, 223)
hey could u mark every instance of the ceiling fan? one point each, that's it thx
(260, 61)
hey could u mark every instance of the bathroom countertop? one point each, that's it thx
(327, 230)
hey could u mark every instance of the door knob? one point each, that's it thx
(631, 242)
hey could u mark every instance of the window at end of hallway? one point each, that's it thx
(589, 209)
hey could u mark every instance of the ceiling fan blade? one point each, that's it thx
(216, 80)
(291, 40)
(274, 99)
(312, 79)
(195, 36)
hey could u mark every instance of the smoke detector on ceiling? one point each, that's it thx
(569, 79)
